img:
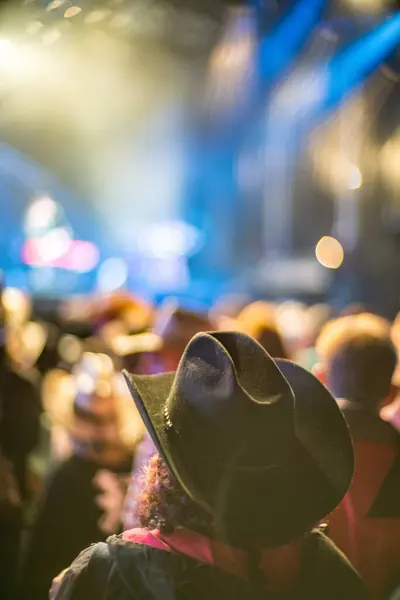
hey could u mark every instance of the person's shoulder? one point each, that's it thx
(82, 561)
(66, 583)
(86, 575)
(332, 571)
(368, 427)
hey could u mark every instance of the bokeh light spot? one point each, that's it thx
(72, 11)
(329, 252)
(113, 274)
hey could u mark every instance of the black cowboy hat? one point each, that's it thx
(259, 443)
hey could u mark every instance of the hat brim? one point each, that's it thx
(150, 394)
(319, 424)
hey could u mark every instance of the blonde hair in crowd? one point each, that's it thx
(358, 356)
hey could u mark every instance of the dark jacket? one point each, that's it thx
(19, 433)
(20, 418)
(366, 525)
(124, 570)
(67, 521)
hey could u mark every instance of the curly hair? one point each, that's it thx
(163, 505)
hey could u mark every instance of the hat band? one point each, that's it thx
(167, 418)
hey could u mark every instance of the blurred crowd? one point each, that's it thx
(73, 447)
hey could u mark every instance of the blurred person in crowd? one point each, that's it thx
(55, 443)
(391, 412)
(32, 344)
(49, 357)
(258, 321)
(227, 307)
(19, 434)
(120, 313)
(10, 529)
(174, 327)
(315, 316)
(20, 403)
(92, 405)
(358, 361)
(105, 316)
(292, 322)
(233, 493)
(136, 352)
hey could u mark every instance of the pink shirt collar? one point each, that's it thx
(281, 566)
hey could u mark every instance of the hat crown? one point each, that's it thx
(229, 391)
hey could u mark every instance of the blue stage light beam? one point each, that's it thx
(326, 86)
(274, 54)
(351, 67)
(282, 46)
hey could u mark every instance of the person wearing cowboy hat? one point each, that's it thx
(93, 407)
(252, 453)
